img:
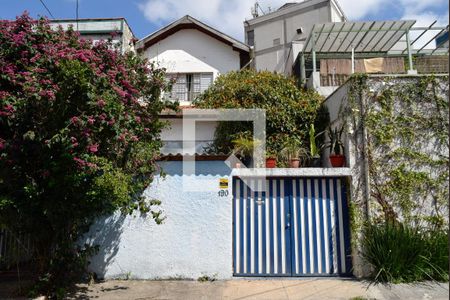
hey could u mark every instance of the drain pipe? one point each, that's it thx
(252, 57)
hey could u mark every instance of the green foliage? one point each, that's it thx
(243, 145)
(79, 136)
(335, 140)
(407, 123)
(399, 253)
(293, 149)
(289, 110)
(321, 123)
(313, 149)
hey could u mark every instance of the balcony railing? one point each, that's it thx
(182, 96)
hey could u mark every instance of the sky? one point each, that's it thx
(147, 16)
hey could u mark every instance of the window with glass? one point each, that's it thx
(188, 86)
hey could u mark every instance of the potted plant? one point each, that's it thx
(293, 151)
(243, 149)
(313, 149)
(271, 160)
(336, 146)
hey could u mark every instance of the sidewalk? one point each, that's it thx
(310, 288)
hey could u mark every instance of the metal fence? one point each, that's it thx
(14, 249)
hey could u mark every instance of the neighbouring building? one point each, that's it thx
(97, 29)
(279, 36)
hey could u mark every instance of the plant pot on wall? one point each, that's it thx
(337, 160)
(315, 162)
(294, 163)
(271, 162)
(336, 146)
(247, 161)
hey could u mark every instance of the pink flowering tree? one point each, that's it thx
(79, 135)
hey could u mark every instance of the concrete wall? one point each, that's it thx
(355, 143)
(194, 240)
(191, 51)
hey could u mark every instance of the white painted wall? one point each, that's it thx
(194, 240)
(204, 131)
(269, 27)
(191, 51)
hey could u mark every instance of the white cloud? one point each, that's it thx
(424, 20)
(421, 6)
(355, 10)
(225, 15)
(228, 15)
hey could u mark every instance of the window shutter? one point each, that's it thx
(205, 81)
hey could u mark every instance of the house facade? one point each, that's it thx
(194, 55)
(216, 225)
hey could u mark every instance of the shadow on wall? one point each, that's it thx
(105, 233)
(119, 237)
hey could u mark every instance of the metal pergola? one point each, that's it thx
(372, 38)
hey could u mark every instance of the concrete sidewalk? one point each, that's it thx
(310, 288)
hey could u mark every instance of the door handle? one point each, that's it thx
(288, 224)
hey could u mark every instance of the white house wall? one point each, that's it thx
(191, 51)
(204, 131)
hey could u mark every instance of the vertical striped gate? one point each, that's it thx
(296, 227)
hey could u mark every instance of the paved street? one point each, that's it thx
(311, 288)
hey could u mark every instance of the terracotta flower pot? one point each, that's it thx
(294, 163)
(337, 161)
(271, 162)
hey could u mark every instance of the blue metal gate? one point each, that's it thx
(297, 227)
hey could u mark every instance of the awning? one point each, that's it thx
(341, 37)
(371, 37)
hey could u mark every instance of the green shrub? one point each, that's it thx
(399, 253)
(289, 110)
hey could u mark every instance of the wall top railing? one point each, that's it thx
(292, 172)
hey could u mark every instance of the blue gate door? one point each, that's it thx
(297, 227)
(262, 231)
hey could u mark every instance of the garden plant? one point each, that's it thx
(79, 136)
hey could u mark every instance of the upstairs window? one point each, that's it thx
(250, 38)
(188, 86)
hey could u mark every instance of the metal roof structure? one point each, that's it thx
(374, 38)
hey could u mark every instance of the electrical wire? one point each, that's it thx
(48, 10)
